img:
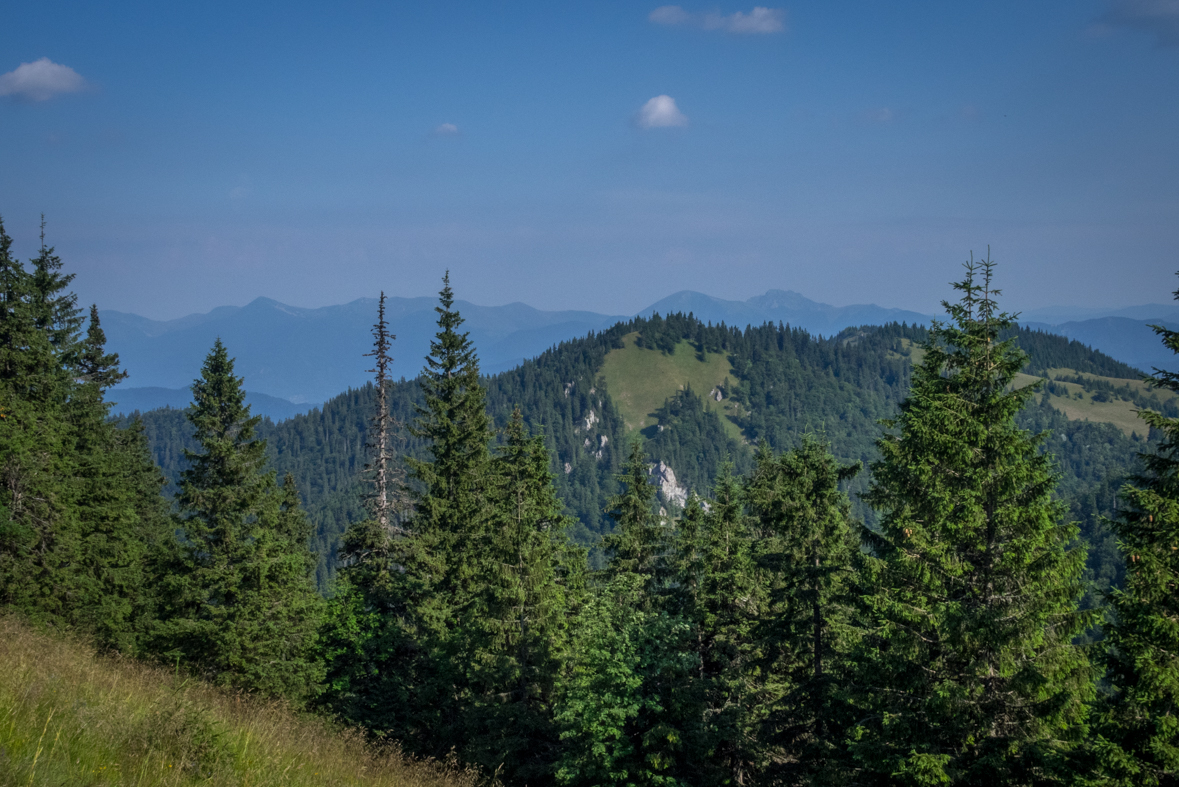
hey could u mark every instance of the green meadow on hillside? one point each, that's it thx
(72, 718)
(641, 380)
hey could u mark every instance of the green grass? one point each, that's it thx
(72, 718)
(641, 380)
(1119, 412)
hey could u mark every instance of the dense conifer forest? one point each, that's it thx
(891, 557)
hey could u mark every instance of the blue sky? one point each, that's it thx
(598, 155)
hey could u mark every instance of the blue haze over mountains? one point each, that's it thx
(294, 358)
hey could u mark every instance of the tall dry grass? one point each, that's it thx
(71, 717)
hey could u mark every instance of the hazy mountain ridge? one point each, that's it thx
(306, 356)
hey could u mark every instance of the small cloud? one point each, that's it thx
(1158, 17)
(969, 112)
(445, 130)
(40, 80)
(670, 15)
(758, 21)
(881, 115)
(660, 112)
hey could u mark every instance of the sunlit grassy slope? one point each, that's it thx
(641, 380)
(1079, 404)
(69, 717)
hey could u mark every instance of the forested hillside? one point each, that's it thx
(784, 383)
(744, 621)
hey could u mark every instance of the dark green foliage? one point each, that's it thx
(533, 579)
(786, 383)
(693, 441)
(1139, 725)
(720, 593)
(81, 518)
(806, 547)
(969, 675)
(639, 542)
(1048, 351)
(240, 604)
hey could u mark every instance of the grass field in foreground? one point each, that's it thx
(640, 380)
(70, 717)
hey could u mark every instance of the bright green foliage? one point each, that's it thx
(719, 591)
(639, 543)
(240, 602)
(620, 699)
(806, 545)
(1140, 723)
(969, 675)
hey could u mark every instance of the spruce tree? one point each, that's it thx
(719, 591)
(242, 607)
(38, 528)
(366, 648)
(1139, 724)
(639, 542)
(122, 516)
(969, 674)
(82, 511)
(534, 579)
(438, 597)
(451, 512)
(806, 545)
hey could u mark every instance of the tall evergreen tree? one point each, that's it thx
(534, 577)
(1139, 725)
(806, 545)
(367, 650)
(38, 533)
(436, 591)
(122, 517)
(719, 591)
(242, 604)
(970, 588)
(82, 505)
(450, 511)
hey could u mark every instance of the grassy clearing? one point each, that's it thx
(1079, 404)
(641, 380)
(69, 717)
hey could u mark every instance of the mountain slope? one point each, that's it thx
(73, 718)
(1129, 340)
(781, 383)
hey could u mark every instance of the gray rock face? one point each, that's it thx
(670, 492)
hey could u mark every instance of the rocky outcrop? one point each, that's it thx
(670, 492)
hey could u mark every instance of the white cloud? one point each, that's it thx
(1158, 17)
(881, 115)
(40, 80)
(445, 129)
(758, 21)
(660, 112)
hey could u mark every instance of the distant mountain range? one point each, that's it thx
(293, 358)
